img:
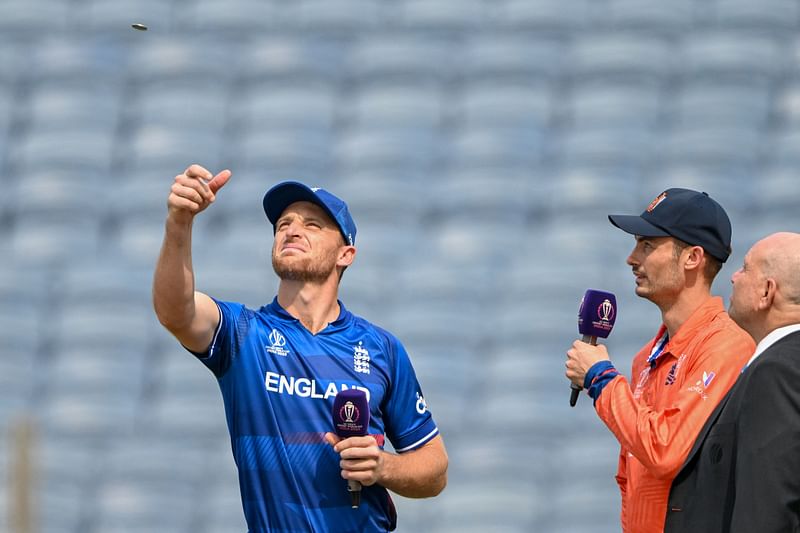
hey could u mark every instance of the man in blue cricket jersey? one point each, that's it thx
(279, 368)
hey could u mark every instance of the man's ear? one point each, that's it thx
(694, 257)
(767, 293)
(347, 255)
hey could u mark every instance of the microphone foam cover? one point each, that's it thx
(597, 314)
(350, 413)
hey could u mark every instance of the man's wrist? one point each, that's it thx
(598, 376)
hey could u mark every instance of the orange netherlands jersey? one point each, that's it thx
(658, 415)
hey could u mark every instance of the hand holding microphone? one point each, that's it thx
(362, 459)
(596, 317)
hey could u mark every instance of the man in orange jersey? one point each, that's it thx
(680, 375)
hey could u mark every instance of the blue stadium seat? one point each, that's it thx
(720, 104)
(510, 58)
(473, 506)
(784, 147)
(615, 105)
(53, 193)
(184, 104)
(135, 506)
(711, 146)
(6, 111)
(395, 57)
(20, 342)
(80, 150)
(290, 60)
(269, 154)
(730, 55)
(165, 58)
(621, 56)
(786, 104)
(39, 240)
(492, 193)
(770, 16)
(346, 17)
(63, 105)
(42, 17)
(196, 418)
(777, 192)
(385, 202)
(604, 146)
(733, 186)
(492, 146)
(159, 149)
(59, 59)
(123, 322)
(502, 104)
(107, 369)
(234, 18)
(90, 418)
(409, 149)
(115, 18)
(10, 57)
(545, 16)
(311, 106)
(388, 106)
(651, 16)
(441, 15)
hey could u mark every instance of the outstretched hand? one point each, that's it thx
(193, 191)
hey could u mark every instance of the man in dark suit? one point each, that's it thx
(743, 473)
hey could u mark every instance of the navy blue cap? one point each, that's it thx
(691, 216)
(282, 195)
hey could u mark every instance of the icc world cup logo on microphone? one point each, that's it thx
(348, 411)
(350, 417)
(606, 311)
(605, 315)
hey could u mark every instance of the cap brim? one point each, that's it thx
(636, 225)
(282, 195)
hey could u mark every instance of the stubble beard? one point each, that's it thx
(305, 269)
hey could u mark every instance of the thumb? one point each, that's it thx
(219, 180)
(332, 439)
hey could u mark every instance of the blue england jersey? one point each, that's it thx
(278, 383)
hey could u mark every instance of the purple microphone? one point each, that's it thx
(351, 419)
(595, 319)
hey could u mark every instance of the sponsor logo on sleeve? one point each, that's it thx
(422, 407)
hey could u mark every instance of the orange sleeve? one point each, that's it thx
(661, 439)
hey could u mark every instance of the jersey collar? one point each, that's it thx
(275, 308)
(701, 316)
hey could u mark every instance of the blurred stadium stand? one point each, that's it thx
(480, 144)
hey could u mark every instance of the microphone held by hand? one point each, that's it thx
(596, 318)
(351, 419)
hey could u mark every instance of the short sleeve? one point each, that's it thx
(409, 423)
(223, 346)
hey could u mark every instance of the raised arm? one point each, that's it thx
(190, 316)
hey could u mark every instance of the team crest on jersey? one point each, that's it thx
(276, 343)
(361, 358)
